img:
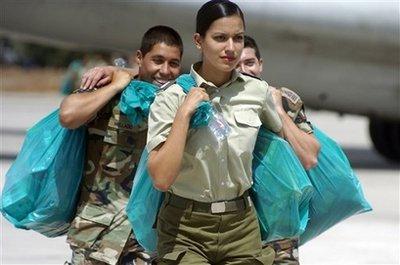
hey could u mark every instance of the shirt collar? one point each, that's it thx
(236, 76)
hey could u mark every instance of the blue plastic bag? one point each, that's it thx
(144, 203)
(203, 114)
(136, 100)
(281, 190)
(41, 187)
(338, 193)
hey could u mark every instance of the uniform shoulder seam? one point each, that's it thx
(249, 75)
(167, 85)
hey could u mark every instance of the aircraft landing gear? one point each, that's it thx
(385, 136)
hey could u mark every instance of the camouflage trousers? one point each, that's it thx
(138, 257)
(286, 251)
(99, 237)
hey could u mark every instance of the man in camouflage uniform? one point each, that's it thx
(296, 130)
(100, 232)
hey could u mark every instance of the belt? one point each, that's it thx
(235, 205)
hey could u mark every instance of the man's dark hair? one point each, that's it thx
(249, 42)
(160, 34)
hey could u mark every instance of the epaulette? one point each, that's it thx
(167, 85)
(246, 74)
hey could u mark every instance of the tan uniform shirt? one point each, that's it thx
(210, 171)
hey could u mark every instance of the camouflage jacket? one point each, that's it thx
(114, 147)
(294, 107)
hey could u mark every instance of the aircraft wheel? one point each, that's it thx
(385, 136)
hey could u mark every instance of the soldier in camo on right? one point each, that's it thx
(296, 130)
(101, 233)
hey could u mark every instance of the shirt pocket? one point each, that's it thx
(116, 155)
(245, 132)
(247, 117)
(122, 147)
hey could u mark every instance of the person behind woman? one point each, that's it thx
(297, 130)
(207, 216)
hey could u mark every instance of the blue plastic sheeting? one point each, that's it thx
(136, 100)
(41, 187)
(281, 190)
(338, 193)
(143, 206)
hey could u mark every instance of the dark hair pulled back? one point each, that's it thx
(213, 10)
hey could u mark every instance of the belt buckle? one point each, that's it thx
(218, 207)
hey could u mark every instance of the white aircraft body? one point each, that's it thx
(340, 56)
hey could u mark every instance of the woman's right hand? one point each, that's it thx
(195, 96)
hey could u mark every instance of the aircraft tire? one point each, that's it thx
(385, 136)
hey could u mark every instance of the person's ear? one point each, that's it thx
(197, 39)
(139, 58)
(261, 64)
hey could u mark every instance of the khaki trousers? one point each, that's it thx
(190, 237)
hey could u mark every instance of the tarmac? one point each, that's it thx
(369, 238)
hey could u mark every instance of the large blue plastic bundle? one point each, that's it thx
(136, 100)
(281, 191)
(144, 200)
(338, 193)
(143, 206)
(41, 187)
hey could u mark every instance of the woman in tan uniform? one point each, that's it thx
(207, 216)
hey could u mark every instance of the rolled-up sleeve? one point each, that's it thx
(269, 116)
(294, 107)
(161, 117)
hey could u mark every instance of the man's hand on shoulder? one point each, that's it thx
(121, 79)
(97, 77)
